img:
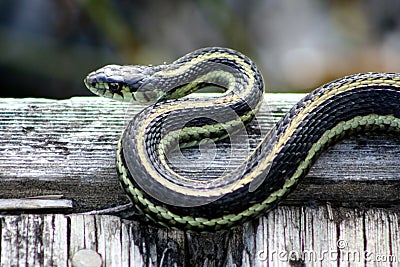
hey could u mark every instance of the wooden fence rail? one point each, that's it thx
(57, 161)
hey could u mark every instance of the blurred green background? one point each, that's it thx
(47, 47)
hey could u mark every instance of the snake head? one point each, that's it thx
(125, 83)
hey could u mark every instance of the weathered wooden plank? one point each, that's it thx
(55, 241)
(109, 242)
(320, 238)
(351, 237)
(34, 203)
(67, 147)
(287, 236)
(84, 235)
(278, 235)
(121, 242)
(131, 253)
(46, 141)
(34, 240)
(381, 234)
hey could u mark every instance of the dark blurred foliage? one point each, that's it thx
(49, 46)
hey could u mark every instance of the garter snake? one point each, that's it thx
(350, 105)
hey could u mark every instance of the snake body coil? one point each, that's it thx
(353, 104)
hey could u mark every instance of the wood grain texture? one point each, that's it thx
(287, 236)
(67, 147)
(346, 206)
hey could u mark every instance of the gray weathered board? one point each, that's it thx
(345, 213)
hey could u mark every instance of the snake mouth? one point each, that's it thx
(86, 82)
(91, 85)
(90, 82)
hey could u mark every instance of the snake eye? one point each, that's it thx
(114, 87)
